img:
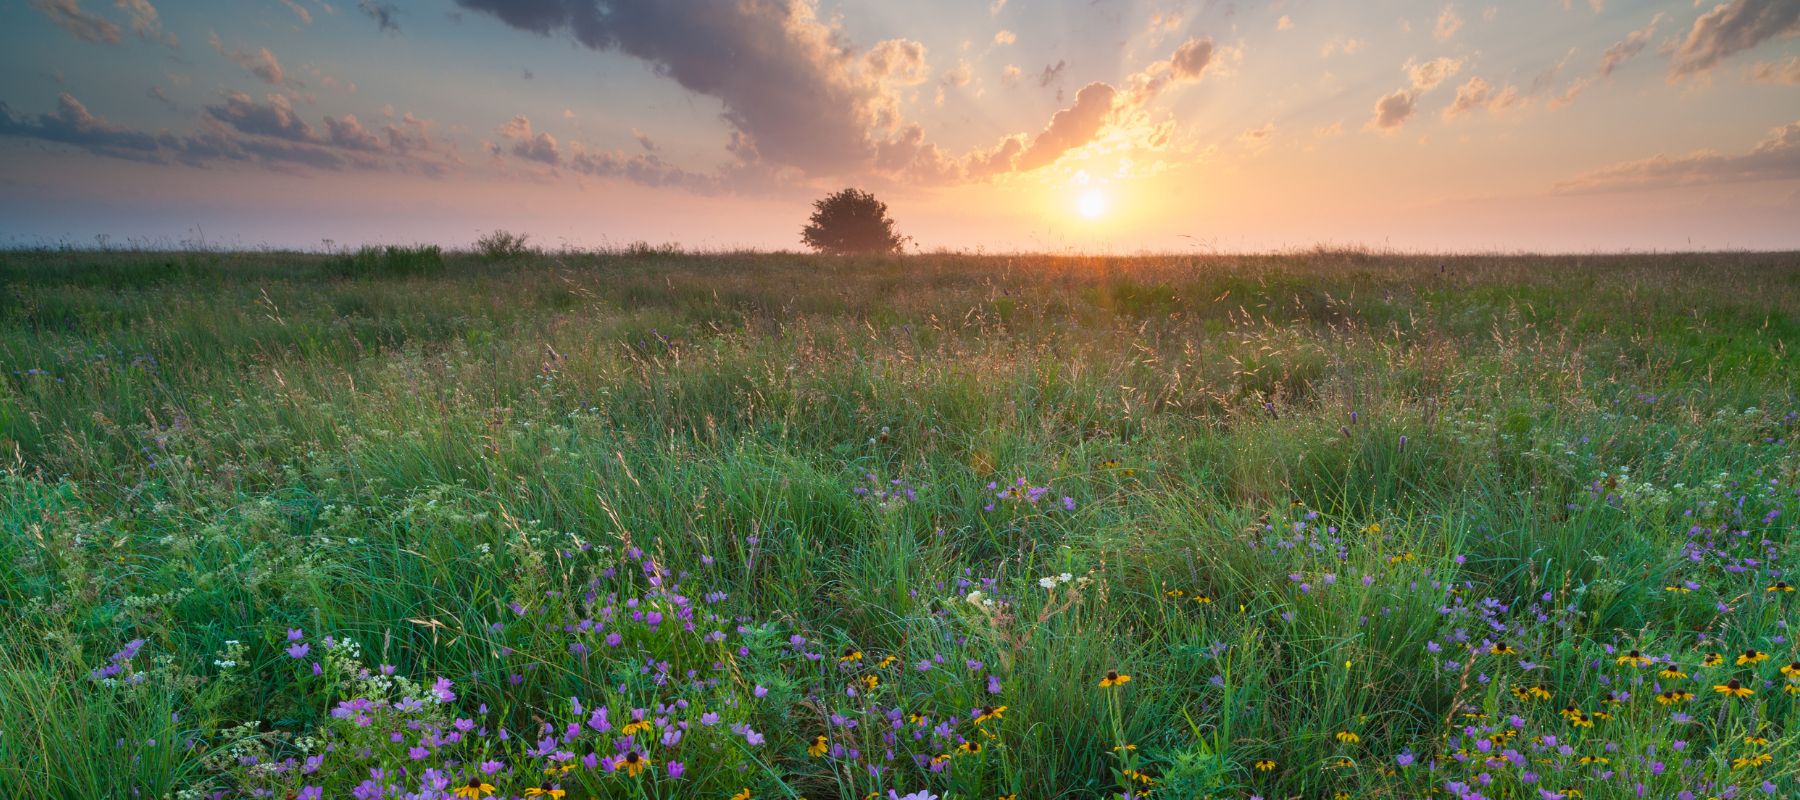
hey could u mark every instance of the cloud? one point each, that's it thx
(1623, 51)
(900, 61)
(1477, 93)
(243, 131)
(69, 15)
(384, 14)
(1004, 38)
(1051, 73)
(1286, 23)
(261, 63)
(1340, 44)
(793, 89)
(648, 169)
(1426, 76)
(539, 147)
(1784, 73)
(1732, 28)
(299, 11)
(145, 22)
(1009, 75)
(1448, 23)
(1258, 139)
(1071, 127)
(1393, 110)
(1189, 63)
(1776, 157)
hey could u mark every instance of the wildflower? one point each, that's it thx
(1202, 598)
(1752, 656)
(1733, 688)
(1175, 593)
(1677, 588)
(631, 763)
(545, 790)
(1348, 737)
(1779, 586)
(989, 712)
(871, 682)
(1792, 688)
(887, 662)
(850, 655)
(1670, 698)
(969, 748)
(1756, 741)
(1634, 658)
(475, 788)
(1113, 678)
(743, 794)
(1751, 761)
(1140, 777)
(818, 747)
(1264, 765)
(1501, 649)
(1712, 660)
(635, 727)
(1791, 670)
(1671, 673)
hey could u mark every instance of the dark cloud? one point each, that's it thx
(1776, 157)
(242, 130)
(88, 27)
(274, 119)
(1051, 73)
(1733, 28)
(384, 14)
(791, 84)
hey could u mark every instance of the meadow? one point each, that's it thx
(652, 524)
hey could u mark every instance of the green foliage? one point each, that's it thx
(501, 245)
(1373, 469)
(851, 222)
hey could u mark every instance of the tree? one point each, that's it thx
(851, 221)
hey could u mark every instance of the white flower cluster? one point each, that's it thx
(1052, 581)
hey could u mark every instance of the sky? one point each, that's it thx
(986, 125)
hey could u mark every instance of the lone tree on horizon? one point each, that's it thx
(850, 222)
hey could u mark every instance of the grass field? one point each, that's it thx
(664, 525)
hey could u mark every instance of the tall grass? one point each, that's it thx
(1384, 475)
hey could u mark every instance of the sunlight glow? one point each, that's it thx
(1091, 204)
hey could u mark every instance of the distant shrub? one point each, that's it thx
(502, 244)
(392, 261)
(643, 249)
(851, 221)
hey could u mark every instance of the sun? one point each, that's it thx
(1091, 204)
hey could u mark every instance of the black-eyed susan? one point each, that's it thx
(1756, 741)
(1570, 711)
(969, 748)
(1791, 670)
(851, 655)
(559, 769)
(475, 788)
(1587, 760)
(1677, 588)
(1734, 688)
(986, 713)
(1712, 660)
(1751, 656)
(818, 747)
(870, 682)
(636, 726)
(1531, 693)
(1347, 737)
(546, 790)
(1673, 697)
(940, 758)
(1671, 673)
(1603, 716)
(1792, 688)
(1114, 678)
(1124, 748)
(1175, 593)
(1634, 659)
(1581, 720)
(1570, 793)
(632, 763)
(1780, 587)
(1203, 598)
(1342, 763)
(1007, 796)
(1264, 765)
(1751, 761)
(1501, 649)
(743, 794)
(1137, 775)
(887, 661)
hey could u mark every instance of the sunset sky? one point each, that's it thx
(1115, 125)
